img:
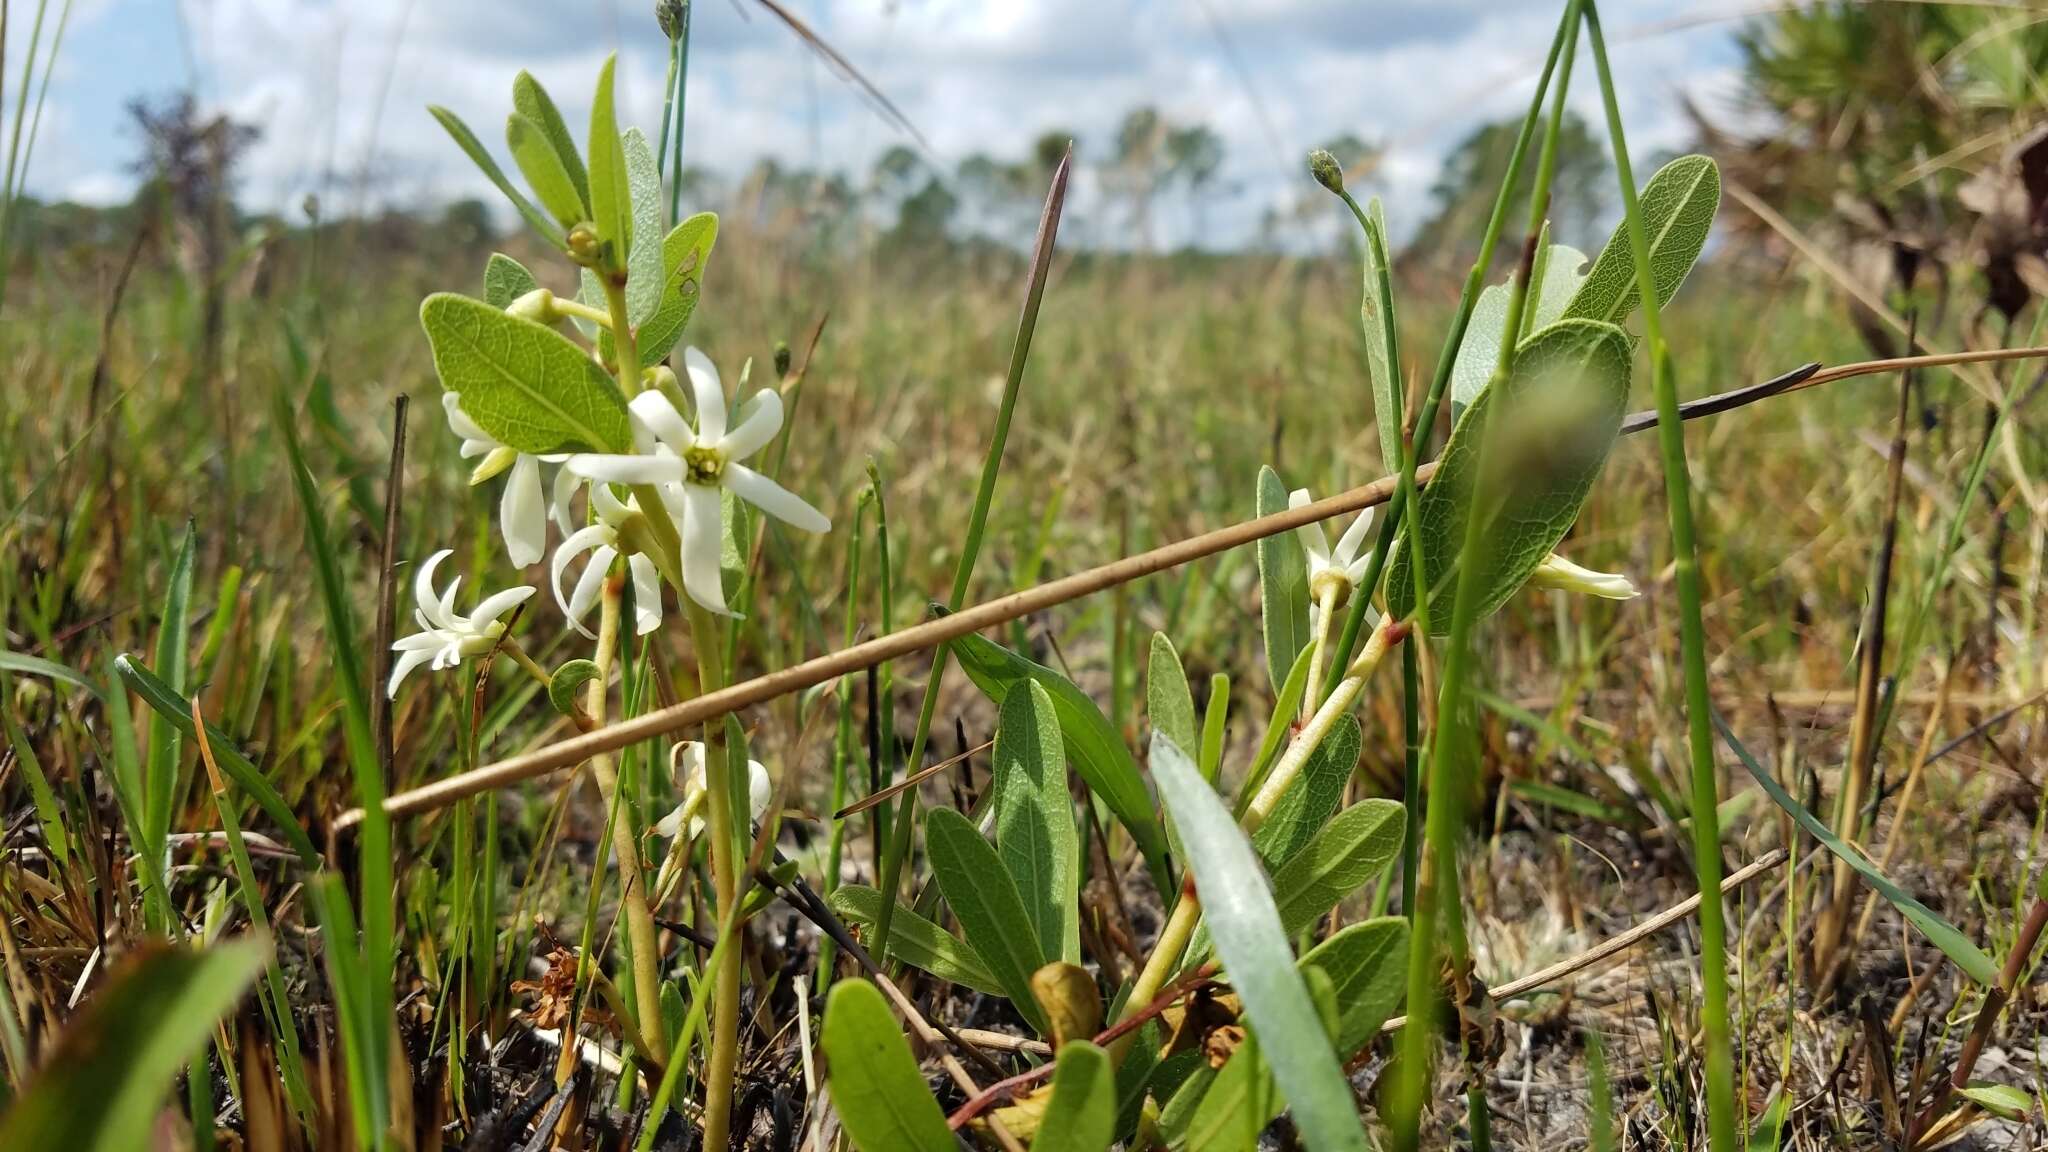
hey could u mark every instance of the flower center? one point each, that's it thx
(1330, 580)
(703, 465)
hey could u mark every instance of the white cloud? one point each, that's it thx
(340, 88)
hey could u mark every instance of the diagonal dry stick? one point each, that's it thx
(1003, 609)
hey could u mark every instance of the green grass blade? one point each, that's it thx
(102, 1088)
(1283, 586)
(160, 776)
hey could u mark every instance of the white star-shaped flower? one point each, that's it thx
(601, 540)
(689, 466)
(446, 638)
(1341, 567)
(688, 760)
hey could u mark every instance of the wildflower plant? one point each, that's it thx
(581, 385)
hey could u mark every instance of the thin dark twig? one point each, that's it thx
(394, 508)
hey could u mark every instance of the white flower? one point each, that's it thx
(1558, 572)
(601, 540)
(690, 756)
(445, 638)
(691, 464)
(522, 511)
(1344, 565)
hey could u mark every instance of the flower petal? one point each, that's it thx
(760, 420)
(658, 413)
(423, 585)
(1558, 572)
(460, 423)
(628, 469)
(609, 511)
(407, 661)
(708, 393)
(579, 542)
(523, 514)
(1353, 539)
(563, 498)
(774, 499)
(588, 586)
(486, 614)
(686, 766)
(703, 526)
(1311, 535)
(646, 595)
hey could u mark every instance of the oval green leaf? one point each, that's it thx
(883, 1102)
(1034, 815)
(533, 102)
(524, 383)
(1678, 206)
(915, 940)
(982, 895)
(1542, 435)
(474, 149)
(684, 253)
(1343, 856)
(506, 280)
(1082, 1115)
(611, 206)
(542, 166)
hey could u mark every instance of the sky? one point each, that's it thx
(340, 88)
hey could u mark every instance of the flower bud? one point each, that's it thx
(781, 358)
(584, 246)
(670, 14)
(1558, 572)
(1322, 164)
(537, 306)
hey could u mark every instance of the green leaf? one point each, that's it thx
(25, 665)
(1556, 417)
(1678, 207)
(1313, 798)
(645, 256)
(984, 898)
(1941, 933)
(2002, 1101)
(1241, 1101)
(1170, 703)
(113, 1067)
(1093, 747)
(1283, 585)
(542, 166)
(915, 940)
(1367, 965)
(533, 102)
(1343, 856)
(1242, 919)
(684, 253)
(1558, 278)
(1135, 1077)
(1035, 820)
(173, 642)
(177, 711)
(467, 141)
(1082, 1115)
(566, 681)
(611, 205)
(1373, 309)
(883, 1102)
(506, 280)
(1214, 719)
(527, 385)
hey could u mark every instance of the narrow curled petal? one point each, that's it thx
(1558, 572)
(580, 541)
(759, 790)
(708, 393)
(607, 506)
(523, 514)
(459, 421)
(486, 614)
(659, 414)
(703, 526)
(686, 766)
(760, 420)
(628, 469)
(669, 825)
(562, 499)
(423, 587)
(1311, 535)
(1353, 538)
(496, 458)
(774, 499)
(646, 595)
(407, 661)
(588, 586)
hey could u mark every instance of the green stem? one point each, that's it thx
(1720, 1073)
(719, 821)
(627, 346)
(1437, 905)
